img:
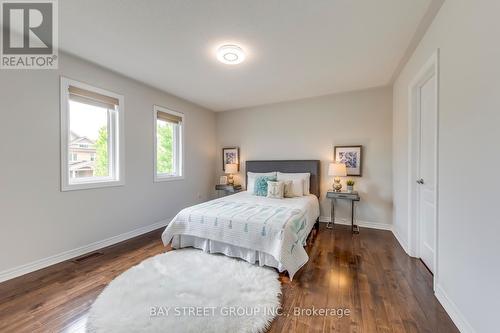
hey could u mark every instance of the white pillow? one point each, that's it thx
(305, 177)
(297, 185)
(252, 176)
(275, 189)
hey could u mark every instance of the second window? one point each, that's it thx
(168, 128)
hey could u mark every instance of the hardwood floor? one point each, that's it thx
(369, 274)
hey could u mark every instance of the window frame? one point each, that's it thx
(178, 149)
(116, 141)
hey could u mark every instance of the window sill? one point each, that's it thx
(93, 185)
(167, 178)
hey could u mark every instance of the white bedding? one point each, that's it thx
(257, 229)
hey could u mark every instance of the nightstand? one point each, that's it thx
(228, 189)
(352, 197)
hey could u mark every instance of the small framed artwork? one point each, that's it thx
(223, 180)
(351, 156)
(230, 156)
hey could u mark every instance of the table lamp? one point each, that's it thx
(337, 170)
(230, 169)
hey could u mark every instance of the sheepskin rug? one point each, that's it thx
(188, 291)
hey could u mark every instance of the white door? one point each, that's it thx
(426, 170)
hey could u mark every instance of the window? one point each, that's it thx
(168, 139)
(91, 136)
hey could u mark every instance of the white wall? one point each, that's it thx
(37, 220)
(308, 129)
(466, 32)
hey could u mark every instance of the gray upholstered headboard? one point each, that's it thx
(288, 166)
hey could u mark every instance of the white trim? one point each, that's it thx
(118, 139)
(160, 178)
(179, 154)
(55, 259)
(455, 314)
(396, 234)
(429, 69)
(368, 224)
(363, 224)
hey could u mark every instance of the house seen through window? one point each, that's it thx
(88, 138)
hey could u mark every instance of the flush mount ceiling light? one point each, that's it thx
(230, 54)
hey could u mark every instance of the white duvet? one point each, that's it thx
(277, 227)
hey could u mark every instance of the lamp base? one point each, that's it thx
(337, 186)
(230, 180)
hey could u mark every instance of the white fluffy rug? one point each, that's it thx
(188, 291)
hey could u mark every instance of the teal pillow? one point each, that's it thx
(260, 188)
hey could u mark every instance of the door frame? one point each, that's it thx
(429, 69)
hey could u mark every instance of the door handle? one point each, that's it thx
(420, 181)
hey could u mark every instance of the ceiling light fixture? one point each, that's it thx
(230, 54)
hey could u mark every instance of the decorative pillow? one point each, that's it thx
(252, 176)
(275, 189)
(260, 187)
(306, 177)
(288, 189)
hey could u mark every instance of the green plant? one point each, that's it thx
(164, 147)
(350, 182)
(101, 158)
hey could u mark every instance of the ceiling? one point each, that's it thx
(295, 49)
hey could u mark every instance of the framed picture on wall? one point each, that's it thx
(351, 156)
(230, 155)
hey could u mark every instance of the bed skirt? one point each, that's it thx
(211, 246)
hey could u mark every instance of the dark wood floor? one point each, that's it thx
(369, 274)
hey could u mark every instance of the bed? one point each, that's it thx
(264, 231)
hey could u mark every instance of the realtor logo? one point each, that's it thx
(29, 34)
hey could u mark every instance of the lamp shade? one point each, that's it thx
(337, 170)
(231, 168)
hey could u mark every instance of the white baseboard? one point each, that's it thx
(373, 225)
(455, 314)
(364, 224)
(404, 245)
(55, 259)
